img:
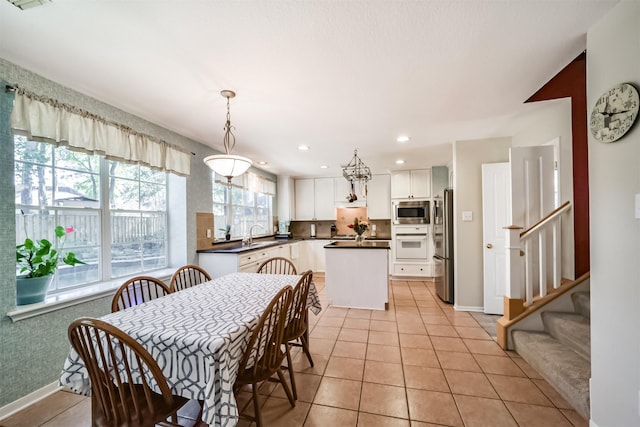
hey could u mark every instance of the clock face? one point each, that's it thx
(614, 113)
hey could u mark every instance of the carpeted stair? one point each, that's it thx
(562, 353)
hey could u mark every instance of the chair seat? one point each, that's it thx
(250, 375)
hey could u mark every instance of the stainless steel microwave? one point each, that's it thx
(411, 212)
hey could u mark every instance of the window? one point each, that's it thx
(122, 234)
(241, 208)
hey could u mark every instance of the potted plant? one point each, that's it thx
(227, 232)
(37, 261)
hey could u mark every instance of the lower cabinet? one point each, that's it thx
(219, 264)
(311, 256)
(412, 269)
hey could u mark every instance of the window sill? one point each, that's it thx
(73, 297)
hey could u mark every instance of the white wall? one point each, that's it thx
(551, 122)
(468, 157)
(613, 57)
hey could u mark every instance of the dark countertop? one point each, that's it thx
(351, 244)
(237, 248)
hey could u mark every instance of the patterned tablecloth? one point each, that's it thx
(198, 336)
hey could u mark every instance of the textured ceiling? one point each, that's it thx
(334, 75)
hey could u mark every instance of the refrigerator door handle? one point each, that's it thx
(439, 257)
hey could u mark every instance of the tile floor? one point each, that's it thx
(418, 364)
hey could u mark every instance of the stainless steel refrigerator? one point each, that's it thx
(443, 244)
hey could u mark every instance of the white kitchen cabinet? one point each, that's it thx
(219, 264)
(413, 184)
(379, 197)
(285, 198)
(314, 199)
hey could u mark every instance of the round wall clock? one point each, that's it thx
(614, 113)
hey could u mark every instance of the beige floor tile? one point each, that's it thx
(330, 321)
(408, 317)
(383, 338)
(425, 378)
(353, 335)
(574, 418)
(431, 310)
(342, 367)
(384, 400)
(415, 341)
(306, 384)
(476, 333)
(412, 328)
(458, 361)
(434, 319)
(527, 415)
(517, 389)
(448, 344)
(442, 330)
(552, 394)
(389, 315)
(356, 323)
(484, 347)
(383, 353)
(383, 373)
(372, 420)
(421, 424)
(463, 322)
(498, 365)
(383, 325)
(278, 412)
(325, 332)
(356, 313)
(335, 312)
(526, 368)
(301, 363)
(323, 416)
(339, 393)
(419, 357)
(433, 407)
(470, 384)
(353, 350)
(321, 345)
(482, 412)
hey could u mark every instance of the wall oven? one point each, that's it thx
(411, 212)
(411, 243)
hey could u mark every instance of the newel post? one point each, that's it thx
(514, 299)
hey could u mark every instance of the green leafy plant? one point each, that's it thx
(359, 226)
(226, 229)
(39, 257)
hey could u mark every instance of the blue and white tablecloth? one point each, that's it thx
(198, 336)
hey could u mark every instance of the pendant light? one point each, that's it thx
(228, 165)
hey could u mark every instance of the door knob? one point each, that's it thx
(489, 246)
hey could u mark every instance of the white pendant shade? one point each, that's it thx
(228, 165)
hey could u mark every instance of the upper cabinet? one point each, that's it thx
(314, 199)
(413, 184)
(378, 197)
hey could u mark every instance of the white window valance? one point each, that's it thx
(250, 181)
(46, 120)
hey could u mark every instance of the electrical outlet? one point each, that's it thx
(467, 216)
(208, 233)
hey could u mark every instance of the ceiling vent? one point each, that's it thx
(28, 4)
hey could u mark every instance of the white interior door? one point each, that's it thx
(532, 197)
(496, 205)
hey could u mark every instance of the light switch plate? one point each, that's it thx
(638, 206)
(467, 216)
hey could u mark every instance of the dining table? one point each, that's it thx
(198, 337)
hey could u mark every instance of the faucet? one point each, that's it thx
(251, 232)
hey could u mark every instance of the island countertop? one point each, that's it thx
(351, 244)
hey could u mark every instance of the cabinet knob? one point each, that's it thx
(489, 246)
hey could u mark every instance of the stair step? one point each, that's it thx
(571, 329)
(582, 303)
(563, 368)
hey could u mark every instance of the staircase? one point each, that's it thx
(562, 352)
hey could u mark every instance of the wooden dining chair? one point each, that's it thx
(277, 265)
(188, 276)
(298, 324)
(122, 389)
(138, 290)
(264, 355)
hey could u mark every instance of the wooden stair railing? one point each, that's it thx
(541, 246)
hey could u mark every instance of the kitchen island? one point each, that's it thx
(357, 276)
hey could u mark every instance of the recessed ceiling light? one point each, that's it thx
(403, 138)
(262, 163)
(399, 162)
(303, 147)
(324, 167)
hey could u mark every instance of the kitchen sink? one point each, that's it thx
(255, 245)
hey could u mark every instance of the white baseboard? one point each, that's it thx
(468, 308)
(31, 398)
